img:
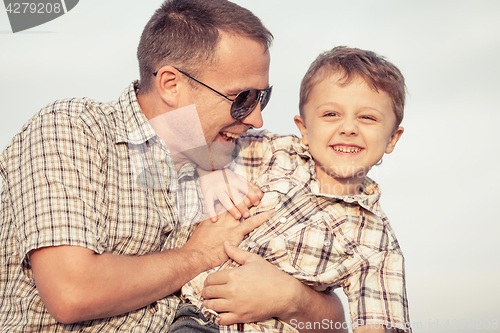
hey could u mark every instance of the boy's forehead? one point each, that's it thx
(338, 78)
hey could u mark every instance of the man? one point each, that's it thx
(94, 200)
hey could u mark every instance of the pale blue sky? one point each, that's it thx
(440, 186)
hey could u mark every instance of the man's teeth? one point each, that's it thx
(344, 149)
(230, 136)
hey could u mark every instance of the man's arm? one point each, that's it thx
(257, 291)
(368, 329)
(76, 284)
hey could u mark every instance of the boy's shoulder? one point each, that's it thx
(274, 141)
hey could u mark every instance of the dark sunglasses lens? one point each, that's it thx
(247, 100)
(266, 96)
(244, 103)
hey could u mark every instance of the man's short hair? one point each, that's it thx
(351, 63)
(185, 33)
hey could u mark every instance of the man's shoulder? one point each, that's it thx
(80, 108)
(85, 109)
(65, 117)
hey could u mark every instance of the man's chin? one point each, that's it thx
(217, 157)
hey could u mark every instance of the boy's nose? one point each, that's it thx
(348, 127)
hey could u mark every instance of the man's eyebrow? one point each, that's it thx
(235, 92)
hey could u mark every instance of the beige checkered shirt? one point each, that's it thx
(96, 175)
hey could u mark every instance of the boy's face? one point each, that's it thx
(347, 128)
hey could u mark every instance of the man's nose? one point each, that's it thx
(254, 119)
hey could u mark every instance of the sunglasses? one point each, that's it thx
(244, 102)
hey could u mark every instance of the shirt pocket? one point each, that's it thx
(315, 254)
(275, 191)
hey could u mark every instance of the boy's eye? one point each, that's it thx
(330, 114)
(369, 118)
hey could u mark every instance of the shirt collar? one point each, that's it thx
(132, 125)
(188, 170)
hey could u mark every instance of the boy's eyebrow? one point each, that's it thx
(369, 108)
(329, 104)
(339, 106)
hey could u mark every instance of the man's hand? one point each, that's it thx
(76, 284)
(257, 291)
(233, 192)
(209, 237)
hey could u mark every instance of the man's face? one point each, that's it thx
(242, 64)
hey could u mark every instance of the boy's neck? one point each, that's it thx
(338, 186)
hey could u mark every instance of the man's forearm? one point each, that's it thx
(316, 312)
(76, 284)
(90, 286)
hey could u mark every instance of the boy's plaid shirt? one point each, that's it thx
(324, 241)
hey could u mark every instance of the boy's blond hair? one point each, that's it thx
(377, 72)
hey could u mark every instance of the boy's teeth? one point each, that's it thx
(346, 149)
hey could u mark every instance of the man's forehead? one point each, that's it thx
(244, 67)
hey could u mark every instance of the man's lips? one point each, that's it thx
(228, 136)
(346, 149)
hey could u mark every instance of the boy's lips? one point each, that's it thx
(349, 149)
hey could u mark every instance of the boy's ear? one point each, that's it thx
(167, 84)
(301, 124)
(394, 139)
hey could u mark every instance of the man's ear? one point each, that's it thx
(301, 124)
(167, 82)
(394, 139)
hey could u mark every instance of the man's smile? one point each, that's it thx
(228, 136)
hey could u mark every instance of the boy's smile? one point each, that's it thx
(348, 128)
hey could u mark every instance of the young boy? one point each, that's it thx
(328, 229)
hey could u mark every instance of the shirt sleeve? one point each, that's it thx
(55, 182)
(376, 289)
(254, 155)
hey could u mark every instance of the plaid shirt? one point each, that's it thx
(94, 175)
(324, 241)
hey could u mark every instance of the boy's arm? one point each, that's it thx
(386, 277)
(257, 291)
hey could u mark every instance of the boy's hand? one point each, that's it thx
(232, 191)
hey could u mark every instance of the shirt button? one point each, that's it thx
(252, 245)
(283, 220)
(327, 243)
